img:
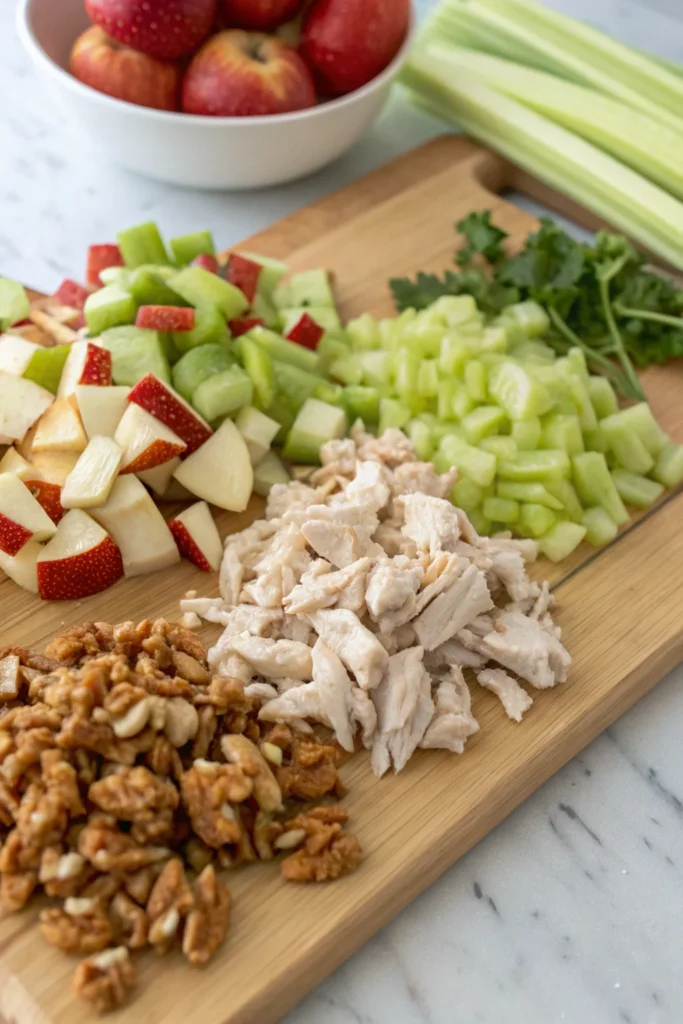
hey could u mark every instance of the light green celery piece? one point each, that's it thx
(502, 510)
(270, 471)
(363, 333)
(455, 353)
(45, 366)
(477, 465)
(316, 423)
(284, 351)
(537, 466)
(521, 395)
(134, 353)
(600, 528)
(559, 542)
(626, 447)
(348, 369)
(108, 307)
(603, 397)
(423, 338)
(641, 420)
(479, 521)
(309, 288)
(14, 304)
(293, 385)
(595, 486)
(421, 438)
(595, 440)
(142, 244)
(448, 389)
(526, 434)
(579, 392)
(375, 367)
(576, 361)
(263, 308)
(669, 467)
(150, 289)
(476, 380)
(197, 365)
(185, 248)
(531, 493)
(258, 430)
(453, 310)
(494, 339)
(535, 520)
(209, 328)
(428, 378)
(502, 447)
(198, 287)
(441, 429)
(223, 393)
(328, 391)
(565, 493)
(467, 495)
(330, 349)
(636, 490)
(406, 371)
(482, 422)
(560, 431)
(259, 367)
(531, 317)
(392, 413)
(362, 403)
(534, 352)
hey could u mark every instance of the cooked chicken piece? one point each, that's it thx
(230, 576)
(528, 549)
(404, 708)
(336, 543)
(475, 555)
(353, 597)
(334, 692)
(295, 628)
(392, 448)
(453, 722)
(522, 645)
(241, 549)
(544, 602)
(318, 590)
(453, 609)
(481, 625)
(274, 659)
(452, 652)
(369, 487)
(266, 590)
(363, 714)
(226, 663)
(338, 459)
(243, 618)
(359, 650)
(411, 477)
(201, 606)
(449, 568)
(295, 704)
(283, 497)
(432, 523)
(260, 691)
(345, 515)
(508, 570)
(514, 699)
(390, 538)
(391, 582)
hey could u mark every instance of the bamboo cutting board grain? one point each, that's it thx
(621, 612)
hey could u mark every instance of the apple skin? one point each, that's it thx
(105, 65)
(347, 43)
(263, 15)
(165, 29)
(245, 74)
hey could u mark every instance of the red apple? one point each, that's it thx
(165, 318)
(160, 28)
(70, 293)
(244, 274)
(242, 74)
(21, 517)
(264, 15)
(198, 540)
(81, 559)
(145, 441)
(346, 43)
(138, 527)
(306, 332)
(207, 261)
(162, 402)
(101, 257)
(105, 65)
(60, 429)
(86, 363)
(243, 324)
(48, 496)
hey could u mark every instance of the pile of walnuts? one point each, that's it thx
(129, 776)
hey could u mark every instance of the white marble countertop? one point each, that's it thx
(572, 910)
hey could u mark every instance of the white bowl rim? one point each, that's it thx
(35, 49)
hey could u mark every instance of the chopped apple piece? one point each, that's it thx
(220, 471)
(166, 405)
(21, 403)
(15, 354)
(21, 517)
(49, 497)
(160, 479)
(101, 408)
(60, 429)
(81, 559)
(258, 430)
(22, 567)
(91, 479)
(175, 492)
(54, 466)
(138, 527)
(146, 442)
(86, 363)
(13, 462)
(197, 537)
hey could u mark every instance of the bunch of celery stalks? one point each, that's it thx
(599, 121)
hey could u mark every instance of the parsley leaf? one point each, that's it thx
(483, 239)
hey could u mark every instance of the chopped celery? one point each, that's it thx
(501, 447)
(309, 288)
(423, 338)
(375, 367)
(566, 493)
(534, 352)
(595, 440)
(348, 369)
(428, 378)
(482, 422)
(521, 395)
(149, 289)
(636, 490)
(467, 495)
(362, 403)
(223, 393)
(536, 520)
(292, 384)
(406, 369)
(284, 414)
(209, 328)
(258, 430)
(447, 390)
(576, 361)
(600, 528)
(199, 287)
(669, 467)
(198, 365)
(284, 351)
(526, 433)
(603, 397)
(454, 354)
(328, 391)
(480, 522)
(109, 307)
(420, 435)
(134, 353)
(640, 420)
(316, 423)
(142, 244)
(363, 333)
(272, 272)
(627, 448)
(325, 316)
(473, 463)
(329, 350)
(268, 472)
(563, 432)
(595, 485)
(259, 367)
(455, 309)
(502, 510)
(475, 380)
(186, 247)
(581, 398)
(392, 413)
(461, 402)
(552, 464)
(535, 494)
(531, 317)
(494, 340)
(561, 540)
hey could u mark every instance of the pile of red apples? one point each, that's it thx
(236, 58)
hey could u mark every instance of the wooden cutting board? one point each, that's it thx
(620, 609)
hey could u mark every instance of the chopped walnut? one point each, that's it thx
(191, 669)
(164, 759)
(181, 722)
(225, 692)
(169, 903)
(10, 678)
(205, 732)
(207, 921)
(134, 794)
(108, 849)
(81, 927)
(139, 884)
(312, 772)
(129, 921)
(105, 979)
(241, 751)
(208, 789)
(16, 889)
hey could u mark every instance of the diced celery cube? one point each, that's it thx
(407, 369)
(627, 448)
(566, 494)
(293, 385)
(454, 354)
(134, 353)
(109, 307)
(640, 420)
(600, 528)
(363, 403)
(520, 394)
(328, 391)
(198, 365)
(561, 540)
(447, 391)
(669, 467)
(455, 309)
(466, 494)
(501, 447)
(576, 361)
(595, 440)
(363, 333)
(534, 352)
(186, 247)
(535, 494)
(579, 393)
(526, 434)
(563, 432)
(482, 422)
(272, 272)
(259, 367)
(603, 397)
(209, 328)
(421, 438)
(479, 521)
(636, 490)
(475, 380)
(315, 424)
(531, 317)
(262, 307)
(473, 463)
(199, 287)
(536, 520)
(142, 244)
(348, 369)
(494, 340)
(502, 510)
(309, 288)
(595, 485)
(268, 472)
(284, 351)
(392, 413)
(223, 393)
(375, 367)
(535, 467)
(428, 378)
(424, 338)
(329, 349)
(461, 402)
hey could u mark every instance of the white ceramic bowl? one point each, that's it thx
(183, 149)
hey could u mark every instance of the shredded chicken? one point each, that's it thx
(453, 722)
(514, 699)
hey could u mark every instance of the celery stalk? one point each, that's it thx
(636, 490)
(600, 528)
(561, 540)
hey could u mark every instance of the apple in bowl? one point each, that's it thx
(104, 64)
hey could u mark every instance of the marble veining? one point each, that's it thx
(570, 911)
